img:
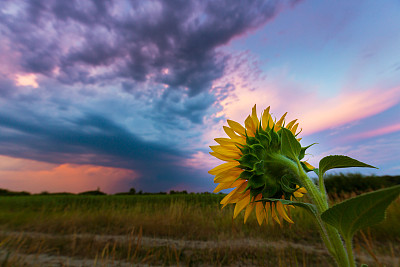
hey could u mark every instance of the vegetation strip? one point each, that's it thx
(178, 244)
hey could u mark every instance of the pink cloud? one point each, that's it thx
(26, 80)
(302, 101)
(201, 161)
(35, 176)
(376, 132)
(345, 108)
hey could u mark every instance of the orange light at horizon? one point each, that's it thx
(34, 176)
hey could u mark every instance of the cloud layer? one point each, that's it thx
(88, 42)
(119, 84)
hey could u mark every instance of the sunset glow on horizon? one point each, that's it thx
(111, 95)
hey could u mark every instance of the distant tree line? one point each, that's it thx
(343, 184)
(337, 185)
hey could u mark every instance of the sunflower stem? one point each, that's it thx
(329, 234)
(322, 188)
(349, 248)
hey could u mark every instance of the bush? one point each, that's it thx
(5, 192)
(341, 184)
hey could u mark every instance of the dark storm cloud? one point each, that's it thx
(148, 65)
(6, 87)
(132, 38)
(159, 166)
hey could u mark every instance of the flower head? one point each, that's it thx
(256, 167)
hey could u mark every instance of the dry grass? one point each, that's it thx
(184, 230)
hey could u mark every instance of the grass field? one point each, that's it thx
(168, 230)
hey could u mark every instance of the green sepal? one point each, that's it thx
(339, 161)
(286, 184)
(265, 139)
(290, 146)
(254, 191)
(246, 175)
(259, 151)
(362, 211)
(256, 181)
(259, 168)
(245, 150)
(248, 160)
(251, 140)
(275, 140)
(271, 188)
(303, 151)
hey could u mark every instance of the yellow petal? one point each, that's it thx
(228, 152)
(290, 124)
(259, 210)
(282, 212)
(235, 195)
(280, 122)
(222, 157)
(237, 127)
(228, 176)
(250, 127)
(294, 129)
(241, 204)
(267, 208)
(254, 117)
(311, 167)
(223, 186)
(273, 213)
(298, 194)
(248, 211)
(223, 167)
(228, 196)
(302, 190)
(266, 119)
(231, 133)
(225, 141)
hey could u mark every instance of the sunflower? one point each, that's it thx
(256, 168)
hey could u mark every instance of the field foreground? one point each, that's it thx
(168, 230)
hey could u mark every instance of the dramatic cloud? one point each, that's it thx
(120, 84)
(171, 42)
(94, 140)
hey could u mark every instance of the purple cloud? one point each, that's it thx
(131, 40)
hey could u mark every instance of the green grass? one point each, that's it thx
(180, 217)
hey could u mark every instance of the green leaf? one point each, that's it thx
(290, 146)
(339, 161)
(308, 206)
(361, 211)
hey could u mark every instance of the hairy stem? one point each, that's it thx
(329, 234)
(322, 188)
(349, 248)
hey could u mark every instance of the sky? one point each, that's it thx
(120, 94)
